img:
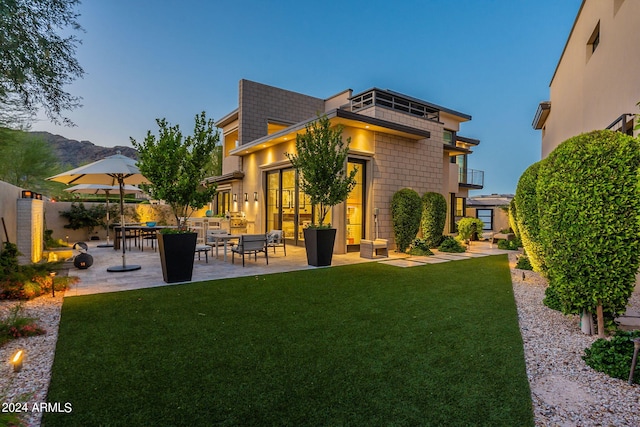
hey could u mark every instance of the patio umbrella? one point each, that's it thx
(103, 189)
(116, 170)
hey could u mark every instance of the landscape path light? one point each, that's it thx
(17, 360)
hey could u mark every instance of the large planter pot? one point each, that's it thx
(319, 244)
(176, 255)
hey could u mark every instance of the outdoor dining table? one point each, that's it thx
(138, 230)
(224, 239)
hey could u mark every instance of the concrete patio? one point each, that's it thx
(96, 279)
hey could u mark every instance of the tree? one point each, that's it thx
(37, 58)
(176, 166)
(26, 160)
(434, 217)
(406, 210)
(468, 226)
(320, 160)
(527, 216)
(81, 217)
(589, 198)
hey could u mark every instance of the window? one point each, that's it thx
(223, 202)
(447, 136)
(486, 216)
(594, 41)
(457, 210)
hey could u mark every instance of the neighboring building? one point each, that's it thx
(396, 141)
(596, 84)
(492, 209)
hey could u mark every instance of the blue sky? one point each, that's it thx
(492, 59)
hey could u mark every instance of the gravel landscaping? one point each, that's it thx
(565, 392)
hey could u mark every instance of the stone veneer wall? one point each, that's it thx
(30, 232)
(258, 103)
(403, 163)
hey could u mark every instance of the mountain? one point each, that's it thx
(72, 153)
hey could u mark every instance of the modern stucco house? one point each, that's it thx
(596, 84)
(397, 141)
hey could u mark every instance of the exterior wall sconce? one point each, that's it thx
(246, 197)
(26, 194)
(37, 196)
(17, 360)
(235, 197)
(255, 196)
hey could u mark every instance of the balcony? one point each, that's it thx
(471, 179)
(393, 101)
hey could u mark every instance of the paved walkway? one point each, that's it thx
(96, 279)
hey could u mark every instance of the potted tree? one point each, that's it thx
(177, 167)
(320, 160)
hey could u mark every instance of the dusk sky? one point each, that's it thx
(492, 59)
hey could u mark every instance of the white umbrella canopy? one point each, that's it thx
(103, 189)
(113, 170)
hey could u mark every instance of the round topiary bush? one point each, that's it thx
(527, 217)
(513, 218)
(449, 244)
(434, 217)
(589, 204)
(406, 210)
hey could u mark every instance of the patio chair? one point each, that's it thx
(211, 241)
(250, 244)
(198, 227)
(275, 238)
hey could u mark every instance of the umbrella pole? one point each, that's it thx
(124, 262)
(107, 245)
(124, 266)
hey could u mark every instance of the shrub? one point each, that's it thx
(524, 263)
(50, 242)
(406, 210)
(510, 245)
(513, 218)
(589, 208)
(449, 244)
(527, 217)
(434, 217)
(15, 326)
(552, 299)
(27, 281)
(8, 260)
(420, 247)
(613, 356)
(81, 217)
(467, 227)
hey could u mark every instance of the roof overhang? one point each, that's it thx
(229, 177)
(337, 117)
(467, 141)
(544, 108)
(229, 118)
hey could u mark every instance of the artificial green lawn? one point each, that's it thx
(359, 345)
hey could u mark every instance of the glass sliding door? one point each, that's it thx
(289, 209)
(288, 206)
(356, 206)
(274, 218)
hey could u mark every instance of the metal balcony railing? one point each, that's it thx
(377, 97)
(472, 177)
